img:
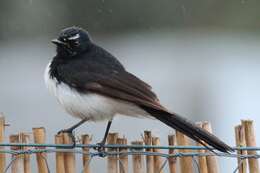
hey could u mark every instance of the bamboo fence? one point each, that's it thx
(124, 159)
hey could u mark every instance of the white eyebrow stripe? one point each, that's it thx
(74, 37)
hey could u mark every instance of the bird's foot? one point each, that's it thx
(71, 135)
(100, 147)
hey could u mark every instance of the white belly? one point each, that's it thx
(93, 106)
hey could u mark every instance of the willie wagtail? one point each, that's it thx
(92, 85)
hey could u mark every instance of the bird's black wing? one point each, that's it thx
(120, 85)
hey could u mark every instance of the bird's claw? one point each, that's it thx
(100, 147)
(65, 131)
(71, 135)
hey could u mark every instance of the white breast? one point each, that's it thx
(93, 106)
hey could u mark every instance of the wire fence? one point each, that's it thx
(132, 150)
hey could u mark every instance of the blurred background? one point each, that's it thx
(201, 57)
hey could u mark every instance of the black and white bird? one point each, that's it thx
(92, 85)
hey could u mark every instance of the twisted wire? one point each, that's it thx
(132, 150)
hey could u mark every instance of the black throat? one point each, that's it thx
(63, 58)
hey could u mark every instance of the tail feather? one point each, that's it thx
(189, 129)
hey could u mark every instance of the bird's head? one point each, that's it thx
(72, 41)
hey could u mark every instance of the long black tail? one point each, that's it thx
(189, 129)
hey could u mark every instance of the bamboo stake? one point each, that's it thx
(86, 139)
(2, 133)
(251, 142)
(185, 162)
(241, 142)
(203, 168)
(149, 159)
(69, 158)
(123, 165)
(17, 165)
(112, 162)
(39, 138)
(25, 138)
(172, 161)
(138, 160)
(60, 166)
(212, 163)
(157, 159)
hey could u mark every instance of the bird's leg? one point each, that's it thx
(101, 144)
(69, 131)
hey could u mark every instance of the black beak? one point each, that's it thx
(58, 42)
